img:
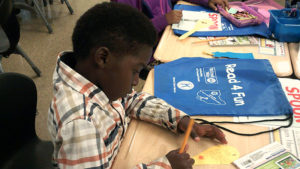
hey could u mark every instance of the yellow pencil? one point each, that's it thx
(187, 134)
(207, 40)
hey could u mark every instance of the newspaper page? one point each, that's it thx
(288, 137)
(272, 156)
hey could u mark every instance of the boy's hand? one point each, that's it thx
(180, 161)
(202, 131)
(173, 16)
(213, 4)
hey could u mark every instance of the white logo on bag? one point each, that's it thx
(185, 85)
(211, 80)
(210, 97)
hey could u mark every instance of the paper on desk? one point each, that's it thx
(272, 156)
(271, 47)
(290, 138)
(232, 11)
(220, 154)
(190, 18)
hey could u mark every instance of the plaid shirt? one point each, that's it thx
(87, 129)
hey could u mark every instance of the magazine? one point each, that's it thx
(271, 47)
(235, 41)
(272, 156)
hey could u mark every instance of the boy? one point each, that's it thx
(93, 98)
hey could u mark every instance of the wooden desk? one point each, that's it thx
(295, 57)
(145, 142)
(171, 48)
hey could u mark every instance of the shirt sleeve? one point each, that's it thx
(82, 146)
(149, 108)
(159, 22)
(161, 163)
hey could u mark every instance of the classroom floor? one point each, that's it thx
(42, 48)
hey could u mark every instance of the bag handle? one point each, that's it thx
(289, 117)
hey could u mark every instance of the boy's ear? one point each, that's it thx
(101, 56)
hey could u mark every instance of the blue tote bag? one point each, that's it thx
(221, 87)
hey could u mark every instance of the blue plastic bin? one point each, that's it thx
(285, 28)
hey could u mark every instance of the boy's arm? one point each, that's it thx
(152, 109)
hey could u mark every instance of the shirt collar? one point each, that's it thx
(64, 71)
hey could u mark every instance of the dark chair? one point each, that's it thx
(6, 8)
(10, 35)
(20, 146)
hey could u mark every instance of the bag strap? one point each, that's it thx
(289, 117)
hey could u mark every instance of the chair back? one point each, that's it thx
(5, 10)
(11, 29)
(18, 105)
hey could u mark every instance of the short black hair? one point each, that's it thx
(118, 27)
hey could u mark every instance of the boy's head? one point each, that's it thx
(112, 42)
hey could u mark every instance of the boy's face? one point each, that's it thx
(122, 73)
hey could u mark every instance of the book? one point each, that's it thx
(190, 18)
(235, 41)
(272, 156)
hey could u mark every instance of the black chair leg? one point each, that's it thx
(24, 55)
(1, 69)
(69, 6)
(41, 14)
(36, 9)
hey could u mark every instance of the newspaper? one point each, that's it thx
(235, 41)
(272, 156)
(288, 137)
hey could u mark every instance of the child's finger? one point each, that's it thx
(226, 4)
(223, 5)
(222, 139)
(180, 14)
(212, 6)
(185, 156)
(195, 135)
(220, 136)
(186, 148)
(177, 11)
(191, 161)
